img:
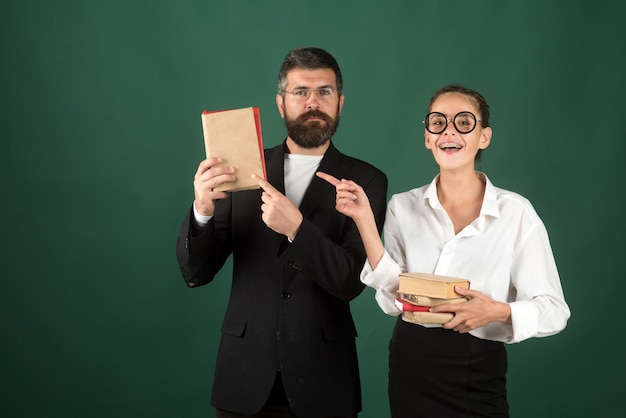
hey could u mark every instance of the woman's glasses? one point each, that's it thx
(436, 123)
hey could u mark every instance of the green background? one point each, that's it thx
(101, 137)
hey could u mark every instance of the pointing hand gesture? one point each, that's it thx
(279, 213)
(351, 201)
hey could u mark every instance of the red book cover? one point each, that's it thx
(409, 307)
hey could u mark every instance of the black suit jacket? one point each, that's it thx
(289, 302)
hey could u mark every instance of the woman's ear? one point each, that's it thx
(485, 138)
(426, 140)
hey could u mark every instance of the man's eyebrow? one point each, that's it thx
(325, 86)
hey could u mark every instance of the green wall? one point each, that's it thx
(100, 127)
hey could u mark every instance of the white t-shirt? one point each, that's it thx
(299, 171)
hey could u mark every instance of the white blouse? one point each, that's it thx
(505, 253)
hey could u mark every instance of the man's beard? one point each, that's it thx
(311, 134)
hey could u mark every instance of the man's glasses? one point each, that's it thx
(436, 123)
(324, 93)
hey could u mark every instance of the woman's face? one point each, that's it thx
(452, 149)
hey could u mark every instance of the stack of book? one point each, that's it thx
(418, 292)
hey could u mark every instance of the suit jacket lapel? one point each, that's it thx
(275, 167)
(319, 190)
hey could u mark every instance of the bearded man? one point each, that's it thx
(288, 339)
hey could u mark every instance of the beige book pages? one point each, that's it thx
(428, 301)
(428, 317)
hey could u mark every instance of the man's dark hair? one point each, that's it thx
(308, 58)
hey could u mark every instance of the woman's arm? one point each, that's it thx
(353, 202)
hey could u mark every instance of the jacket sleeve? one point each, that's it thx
(202, 251)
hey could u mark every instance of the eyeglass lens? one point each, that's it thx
(304, 94)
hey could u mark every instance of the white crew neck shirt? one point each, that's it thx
(299, 171)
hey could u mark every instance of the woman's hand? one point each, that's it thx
(477, 312)
(352, 200)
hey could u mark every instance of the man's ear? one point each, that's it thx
(341, 99)
(280, 103)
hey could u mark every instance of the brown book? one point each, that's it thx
(235, 136)
(428, 301)
(427, 317)
(431, 285)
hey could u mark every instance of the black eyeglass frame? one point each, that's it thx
(425, 122)
(304, 94)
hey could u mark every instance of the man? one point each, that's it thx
(288, 337)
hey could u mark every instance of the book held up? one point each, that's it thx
(235, 136)
(420, 291)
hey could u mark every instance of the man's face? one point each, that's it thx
(311, 106)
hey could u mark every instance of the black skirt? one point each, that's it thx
(434, 372)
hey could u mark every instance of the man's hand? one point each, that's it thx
(279, 213)
(209, 176)
(477, 312)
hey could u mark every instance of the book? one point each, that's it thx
(431, 285)
(427, 317)
(235, 136)
(421, 313)
(428, 301)
(406, 306)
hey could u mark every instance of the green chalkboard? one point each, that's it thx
(100, 127)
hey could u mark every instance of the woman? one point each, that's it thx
(459, 225)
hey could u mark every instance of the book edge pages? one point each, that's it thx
(439, 318)
(421, 300)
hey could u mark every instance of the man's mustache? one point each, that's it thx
(313, 114)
